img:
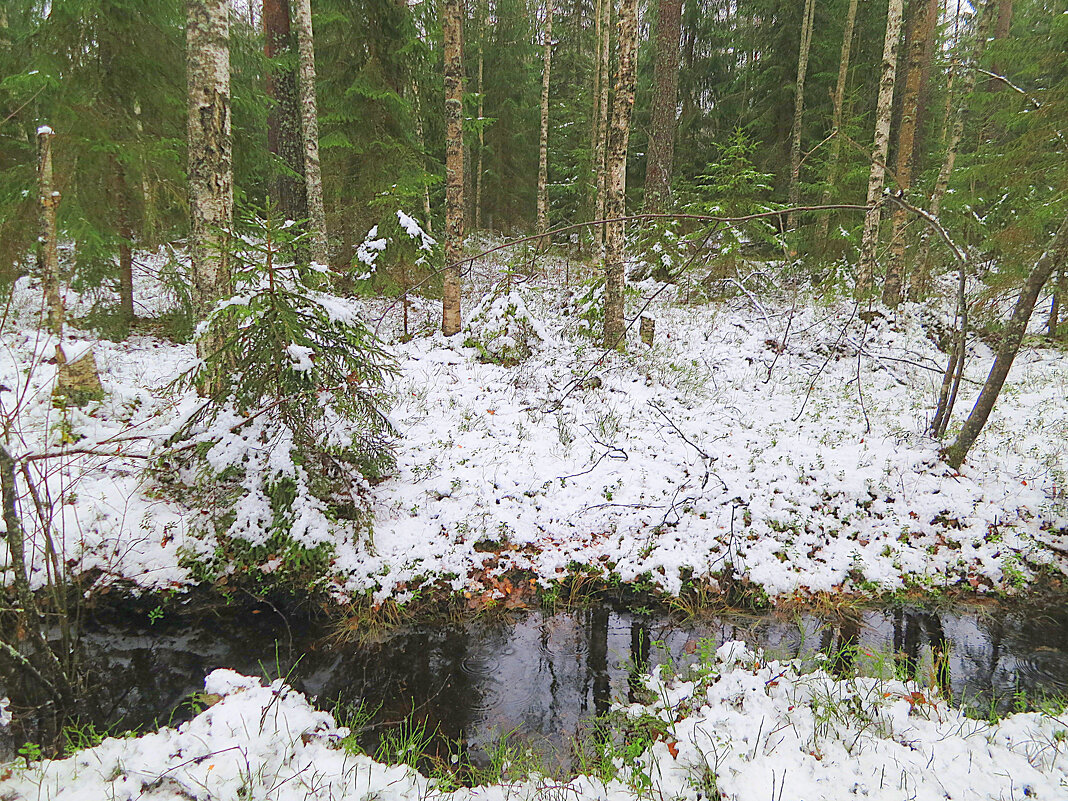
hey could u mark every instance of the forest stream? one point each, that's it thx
(540, 678)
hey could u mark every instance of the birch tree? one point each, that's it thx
(309, 120)
(211, 191)
(452, 26)
(599, 163)
(615, 196)
(659, 169)
(877, 176)
(799, 111)
(47, 242)
(543, 146)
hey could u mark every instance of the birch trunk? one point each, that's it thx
(836, 123)
(309, 119)
(47, 245)
(923, 17)
(660, 166)
(595, 129)
(799, 111)
(615, 201)
(600, 165)
(955, 128)
(543, 146)
(1053, 259)
(211, 191)
(452, 21)
(884, 109)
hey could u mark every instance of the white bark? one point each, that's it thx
(309, 119)
(876, 178)
(543, 149)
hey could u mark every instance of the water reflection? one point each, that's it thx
(541, 676)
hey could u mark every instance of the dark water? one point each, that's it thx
(540, 677)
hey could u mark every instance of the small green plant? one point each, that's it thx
(31, 752)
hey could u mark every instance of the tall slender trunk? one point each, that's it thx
(122, 219)
(543, 146)
(1002, 26)
(482, 25)
(309, 119)
(211, 188)
(615, 202)
(600, 164)
(923, 17)
(836, 121)
(1053, 259)
(417, 116)
(283, 117)
(661, 158)
(595, 111)
(1060, 294)
(799, 111)
(965, 76)
(452, 27)
(884, 108)
(47, 245)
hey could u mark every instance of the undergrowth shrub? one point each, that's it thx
(502, 328)
(294, 429)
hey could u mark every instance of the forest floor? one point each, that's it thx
(769, 441)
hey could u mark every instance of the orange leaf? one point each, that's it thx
(673, 749)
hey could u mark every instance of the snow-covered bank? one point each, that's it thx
(734, 727)
(759, 439)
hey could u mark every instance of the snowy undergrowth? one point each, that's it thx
(736, 727)
(760, 439)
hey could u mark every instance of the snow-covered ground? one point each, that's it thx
(760, 438)
(735, 727)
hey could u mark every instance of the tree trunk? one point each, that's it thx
(543, 146)
(452, 26)
(1001, 31)
(600, 165)
(799, 111)
(836, 124)
(1060, 292)
(884, 108)
(47, 244)
(661, 158)
(923, 17)
(283, 117)
(482, 25)
(122, 219)
(309, 118)
(615, 202)
(595, 116)
(417, 118)
(211, 189)
(955, 128)
(1053, 259)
